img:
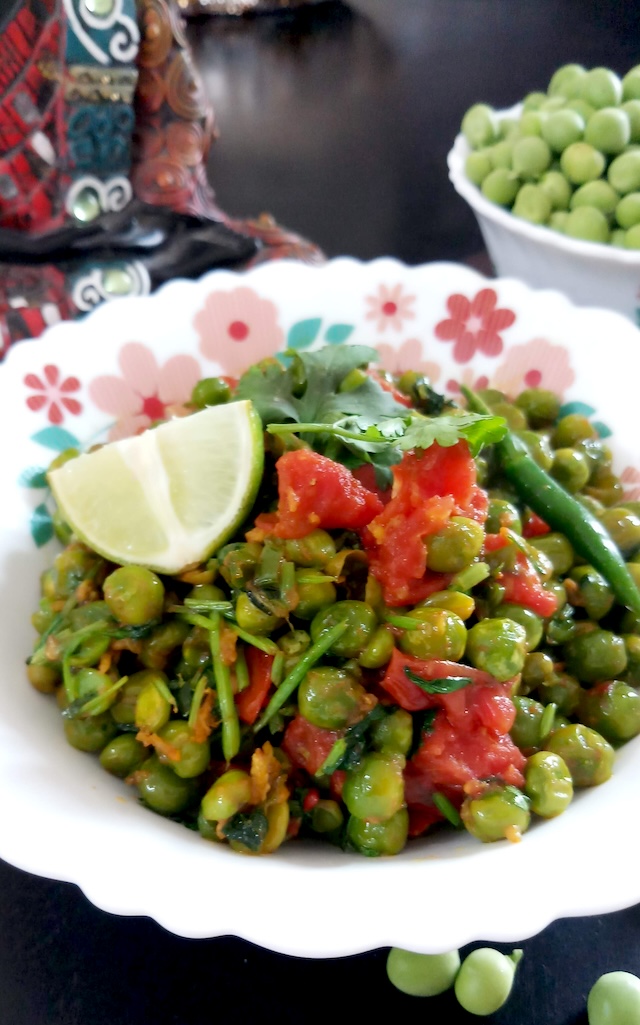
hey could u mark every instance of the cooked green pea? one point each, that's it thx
(624, 528)
(326, 816)
(194, 755)
(70, 567)
(331, 698)
(124, 707)
(313, 596)
(526, 729)
(152, 708)
(588, 756)
(562, 690)
(123, 755)
(480, 125)
(498, 646)
(455, 545)
(163, 640)
(210, 391)
(538, 669)
(539, 447)
(227, 796)
(375, 789)
(526, 618)
(571, 429)
(540, 405)
(249, 617)
(377, 839)
(134, 595)
(44, 678)
(313, 550)
(501, 812)
(463, 605)
(90, 733)
(394, 733)
(163, 791)
(422, 975)
(361, 623)
(557, 548)
(379, 649)
(238, 563)
(594, 655)
(548, 784)
(613, 709)
(91, 685)
(591, 592)
(438, 634)
(632, 646)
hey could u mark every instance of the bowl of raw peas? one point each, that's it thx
(554, 183)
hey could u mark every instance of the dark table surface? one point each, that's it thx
(336, 119)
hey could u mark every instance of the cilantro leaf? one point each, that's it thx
(442, 685)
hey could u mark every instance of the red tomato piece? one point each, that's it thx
(534, 526)
(308, 746)
(314, 491)
(522, 585)
(412, 698)
(250, 701)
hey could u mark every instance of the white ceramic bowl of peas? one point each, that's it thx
(554, 183)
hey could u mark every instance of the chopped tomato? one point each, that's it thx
(314, 491)
(534, 526)
(308, 746)
(522, 584)
(250, 701)
(411, 697)
(451, 755)
(429, 487)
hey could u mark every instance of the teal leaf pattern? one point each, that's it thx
(56, 438)
(577, 407)
(338, 333)
(602, 429)
(33, 477)
(41, 525)
(303, 333)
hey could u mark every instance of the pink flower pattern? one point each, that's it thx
(630, 478)
(474, 325)
(238, 328)
(469, 379)
(536, 364)
(146, 391)
(408, 356)
(390, 307)
(53, 393)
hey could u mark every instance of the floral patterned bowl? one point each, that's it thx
(125, 365)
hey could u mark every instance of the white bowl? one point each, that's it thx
(589, 273)
(64, 817)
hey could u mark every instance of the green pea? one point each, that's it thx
(91, 733)
(238, 563)
(632, 110)
(422, 975)
(601, 87)
(561, 128)
(379, 649)
(485, 980)
(207, 830)
(516, 420)
(530, 124)
(532, 202)
(455, 545)
(134, 595)
(628, 210)
(331, 698)
(375, 789)
(249, 617)
(361, 623)
(394, 733)
(538, 669)
(592, 592)
(70, 568)
(632, 237)
(526, 618)
(582, 163)
(90, 685)
(598, 194)
(526, 729)
(608, 129)
(210, 391)
(588, 756)
(326, 816)
(196, 652)
(562, 690)
(613, 709)
(541, 406)
(500, 186)
(194, 755)
(539, 447)
(587, 223)
(624, 528)
(567, 81)
(548, 784)
(531, 156)
(501, 812)
(500, 154)
(45, 679)
(532, 101)
(163, 640)
(632, 647)
(631, 84)
(124, 707)
(123, 755)
(312, 596)
(152, 709)
(227, 796)
(624, 172)
(376, 839)
(498, 646)
(557, 548)
(477, 166)
(571, 429)
(614, 999)
(594, 655)
(463, 605)
(502, 513)
(438, 634)
(313, 550)
(480, 125)
(163, 791)
(90, 651)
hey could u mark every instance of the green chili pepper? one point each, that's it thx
(562, 512)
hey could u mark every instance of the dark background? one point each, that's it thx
(337, 120)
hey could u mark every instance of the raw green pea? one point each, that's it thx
(252, 619)
(163, 791)
(509, 128)
(613, 709)
(632, 110)
(525, 732)
(331, 698)
(532, 204)
(375, 789)
(533, 101)
(227, 796)
(501, 186)
(194, 755)
(562, 690)
(598, 194)
(90, 734)
(501, 812)
(582, 163)
(379, 649)
(485, 980)
(326, 816)
(624, 172)
(530, 125)
(581, 107)
(632, 237)
(592, 592)
(455, 545)
(567, 81)
(210, 391)
(608, 129)
(377, 839)
(587, 223)
(531, 623)
(422, 975)
(561, 128)
(498, 646)
(134, 595)
(628, 210)
(394, 733)
(548, 784)
(588, 756)
(614, 999)
(361, 623)
(558, 220)
(531, 157)
(478, 165)
(123, 755)
(601, 87)
(480, 125)
(439, 633)
(501, 154)
(558, 190)
(631, 84)
(557, 548)
(624, 528)
(595, 655)
(312, 596)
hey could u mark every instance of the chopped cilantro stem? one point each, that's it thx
(445, 807)
(196, 700)
(467, 578)
(263, 643)
(277, 669)
(224, 689)
(163, 689)
(299, 671)
(338, 432)
(203, 605)
(96, 704)
(402, 622)
(242, 671)
(547, 720)
(335, 756)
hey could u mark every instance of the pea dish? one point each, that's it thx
(428, 620)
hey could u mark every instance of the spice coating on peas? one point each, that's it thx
(134, 595)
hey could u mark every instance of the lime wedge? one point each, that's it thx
(170, 497)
